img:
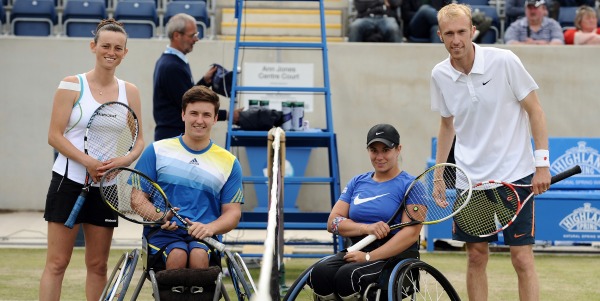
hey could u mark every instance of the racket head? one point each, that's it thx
(111, 132)
(493, 207)
(134, 196)
(438, 194)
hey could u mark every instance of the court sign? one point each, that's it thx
(283, 75)
(568, 152)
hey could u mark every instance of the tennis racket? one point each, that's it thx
(110, 133)
(495, 205)
(433, 197)
(137, 198)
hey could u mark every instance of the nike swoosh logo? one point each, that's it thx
(358, 200)
(518, 235)
(378, 133)
(485, 83)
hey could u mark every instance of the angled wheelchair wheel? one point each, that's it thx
(120, 278)
(420, 281)
(133, 257)
(247, 276)
(239, 278)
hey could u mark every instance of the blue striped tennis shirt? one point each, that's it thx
(198, 182)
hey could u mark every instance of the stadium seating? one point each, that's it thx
(196, 9)
(492, 35)
(475, 2)
(566, 16)
(139, 17)
(80, 17)
(33, 17)
(2, 19)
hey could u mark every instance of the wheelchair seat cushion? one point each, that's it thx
(187, 284)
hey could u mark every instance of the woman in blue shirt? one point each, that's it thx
(366, 202)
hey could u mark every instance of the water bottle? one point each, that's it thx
(253, 104)
(264, 104)
(286, 109)
(297, 116)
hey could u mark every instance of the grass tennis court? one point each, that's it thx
(572, 276)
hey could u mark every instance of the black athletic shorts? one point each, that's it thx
(62, 196)
(522, 230)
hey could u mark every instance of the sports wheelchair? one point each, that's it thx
(181, 284)
(403, 278)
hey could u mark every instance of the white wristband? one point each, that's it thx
(542, 158)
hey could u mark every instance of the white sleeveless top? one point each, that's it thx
(75, 131)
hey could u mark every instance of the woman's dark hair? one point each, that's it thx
(109, 25)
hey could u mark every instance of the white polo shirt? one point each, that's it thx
(493, 139)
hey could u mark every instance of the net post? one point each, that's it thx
(277, 281)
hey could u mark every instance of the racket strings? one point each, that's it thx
(133, 196)
(437, 194)
(492, 207)
(112, 132)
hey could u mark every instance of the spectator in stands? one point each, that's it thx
(536, 28)
(376, 21)
(586, 31)
(362, 209)
(420, 20)
(173, 77)
(515, 9)
(421, 24)
(76, 98)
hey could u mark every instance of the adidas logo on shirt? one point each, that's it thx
(194, 161)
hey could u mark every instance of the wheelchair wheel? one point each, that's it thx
(242, 288)
(420, 281)
(248, 277)
(118, 282)
(128, 274)
(299, 290)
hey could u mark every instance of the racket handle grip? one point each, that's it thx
(75, 211)
(565, 174)
(215, 243)
(362, 243)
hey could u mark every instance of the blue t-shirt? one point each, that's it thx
(372, 201)
(198, 182)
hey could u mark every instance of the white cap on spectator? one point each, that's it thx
(536, 3)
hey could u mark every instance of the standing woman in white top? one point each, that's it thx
(76, 98)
